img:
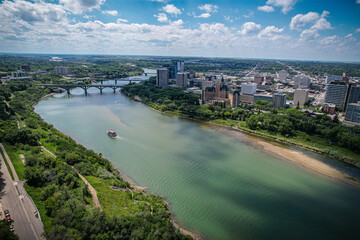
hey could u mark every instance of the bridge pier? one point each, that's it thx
(115, 81)
(102, 81)
(68, 91)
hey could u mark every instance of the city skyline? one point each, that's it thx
(272, 29)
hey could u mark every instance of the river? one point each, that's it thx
(217, 181)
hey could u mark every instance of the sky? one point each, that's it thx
(270, 29)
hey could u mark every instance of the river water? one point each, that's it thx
(216, 181)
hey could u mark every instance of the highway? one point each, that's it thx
(14, 198)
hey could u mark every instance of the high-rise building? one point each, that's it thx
(181, 79)
(301, 81)
(353, 94)
(162, 77)
(331, 78)
(61, 70)
(282, 75)
(336, 93)
(353, 113)
(300, 97)
(279, 100)
(179, 66)
(248, 89)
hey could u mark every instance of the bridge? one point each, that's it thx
(67, 87)
(129, 79)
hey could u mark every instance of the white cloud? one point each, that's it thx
(80, 6)
(358, 29)
(309, 35)
(302, 19)
(321, 24)
(266, 8)
(209, 8)
(171, 9)
(329, 40)
(348, 36)
(358, 1)
(286, 5)
(161, 17)
(249, 28)
(204, 15)
(112, 12)
(325, 13)
(121, 20)
(32, 12)
(271, 32)
(249, 15)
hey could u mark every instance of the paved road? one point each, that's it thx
(13, 197)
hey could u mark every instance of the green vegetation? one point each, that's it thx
(63, 199)
(318, 133)
(5, 232)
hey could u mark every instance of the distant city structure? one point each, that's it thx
(301, 81)
(329, 108)
(60, 70)
(336, 93)
(353, 113)
(181, 79)
(331, 78)
(301, 97)
(162, 77)
(353, 95)
(279, 100)
(282, 76)
(18, 74)
(25, 68)
(248, 89)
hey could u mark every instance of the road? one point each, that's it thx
(14, 198)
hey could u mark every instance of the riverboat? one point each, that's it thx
(111, 133)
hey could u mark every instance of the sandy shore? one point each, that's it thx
(303, 160)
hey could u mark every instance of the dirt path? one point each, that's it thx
(92, 190)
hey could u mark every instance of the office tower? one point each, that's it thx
(181, 79)
(279, 100)
(301, 81)
(61, 70)
(353, 112)
(162, 77)
(300, 97)
(336, 93)
(282, 75)
(248, 89)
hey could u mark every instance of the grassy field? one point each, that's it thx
(15, 159)
(36, 195)
(113, 202)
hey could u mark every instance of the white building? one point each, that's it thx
(301, 97)
(248, 89)
(63, 71)
(330, 78)
(282, 75)
(162, 77)
(301, 81)
(181, 79)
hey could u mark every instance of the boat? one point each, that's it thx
(111, 133)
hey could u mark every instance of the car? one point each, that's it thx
(7, 213)
(12, 227)
(8, 218)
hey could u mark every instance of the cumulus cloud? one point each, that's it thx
(160, 1)
(110, 12)
(209, 8)
(309, 35)
(121, 20)
(80, 6)
(249, 28)
(171, 9)
(266, 8)
(162, 17)
(302, 19)
(204, 15)
(286, 5)
(358, 29)
(330, 40)
(32, 12)
(321, 24)
(271, 32)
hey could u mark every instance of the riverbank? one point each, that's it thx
(273, 148)
(177, 225)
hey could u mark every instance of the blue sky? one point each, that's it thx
(278, 29)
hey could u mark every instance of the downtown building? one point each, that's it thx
(162, 77)
(63, 71)
(336, 93)
(300, 97)
(181, 79)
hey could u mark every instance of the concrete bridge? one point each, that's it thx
(67, 87)
(101, 80)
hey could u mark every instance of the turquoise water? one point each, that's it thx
(216, 181)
